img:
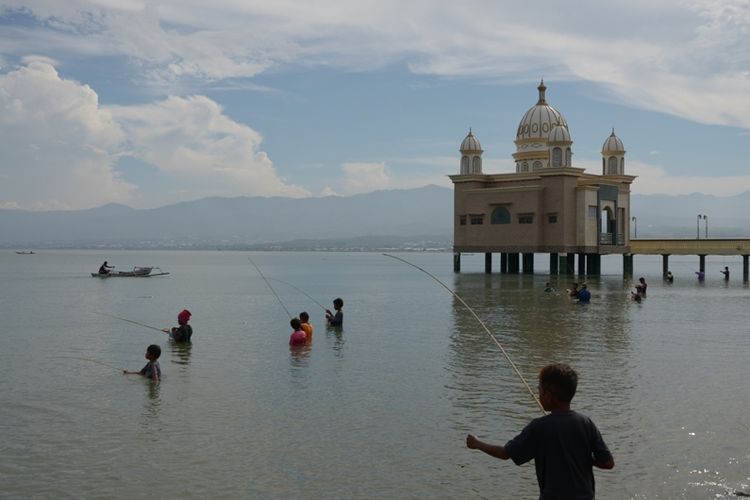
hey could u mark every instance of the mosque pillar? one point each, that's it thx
(702, 263)
(504, 263)
(553, 268)
(745, 268)
(528, 263)
(513, 263)
(488, 262)
(456, 262)
(581, 264)
(664, 264)
(627, 265)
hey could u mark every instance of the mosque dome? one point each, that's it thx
(540, 119)
(613, 144)
(471, 144)
(559, 134)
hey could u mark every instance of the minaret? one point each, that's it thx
(613, 156)
(471, 155)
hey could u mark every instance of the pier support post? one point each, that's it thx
(553, 269)
(593, 264)
(702, 263)
(581, 264)
(488, 262)
(627, 265)
(504, 263)
(456, 262)
(513, 263)
(528, 263)
(745, 268)
(570, 263)
(664, 265)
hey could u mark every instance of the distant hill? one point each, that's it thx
(416, 219)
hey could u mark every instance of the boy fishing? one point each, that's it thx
(565, 445)
(152, 369)
(338, 318)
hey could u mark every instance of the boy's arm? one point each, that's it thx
(494, 450)
(605, 464)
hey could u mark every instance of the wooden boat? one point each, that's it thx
(137, 272)
(26, 253)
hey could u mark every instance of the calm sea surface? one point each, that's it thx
(379, 409)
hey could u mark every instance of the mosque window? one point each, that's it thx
(537, 165)
(568, 157)
(552, 218)
(526, 219)
(557, 157)
(462, 220)
(465, 165)
(477, 220)
(500, 216)
(476, 166)
(525, 167)
(622, 166)
(612, 166)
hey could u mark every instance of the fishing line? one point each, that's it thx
(507, 357)
(90, 360)
(269, 286)
(130, 321)
(301, 291)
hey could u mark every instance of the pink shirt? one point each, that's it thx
(298, 338)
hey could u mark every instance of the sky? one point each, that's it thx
(151, 103)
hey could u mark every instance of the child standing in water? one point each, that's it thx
(564, 444)
(338, 318)
(298, 336)
(152, 369)
(304, 319)
(184, 332)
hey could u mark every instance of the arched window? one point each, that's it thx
(612, 166)
(476, 167)
(537, 165)
(465, 165)
(568, 157)
(557, 157)
(525, 167)
(500, 216)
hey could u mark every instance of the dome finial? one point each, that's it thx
(541, 88)
(613, 131)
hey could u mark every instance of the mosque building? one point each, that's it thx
(547, 205)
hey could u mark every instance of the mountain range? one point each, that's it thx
(418, 218)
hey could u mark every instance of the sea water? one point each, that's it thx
(377, 409)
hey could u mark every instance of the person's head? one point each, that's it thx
(295, 324)
(338, 303)
(583, 286)
(642, 280)
(153, 352)
(184, 317)
(557, 385)
(726, 268)
(105, 262)
(304, 317)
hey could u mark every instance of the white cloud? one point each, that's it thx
(685, 58)
(365, 177)
(57, 143)
(60, 147)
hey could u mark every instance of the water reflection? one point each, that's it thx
(181, 353)
(336, 335)
(299, 356)
(152, 406)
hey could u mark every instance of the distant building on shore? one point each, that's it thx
(547, 205)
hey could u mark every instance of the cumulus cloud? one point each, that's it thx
(365, 177)
(61, 147)
(58, 145)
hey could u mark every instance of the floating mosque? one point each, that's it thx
(547, 205)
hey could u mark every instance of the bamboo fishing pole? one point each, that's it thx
(269, 286)
(131, 321)
(507, 357)
(301, 291)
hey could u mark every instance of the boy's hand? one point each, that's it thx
(471, 441)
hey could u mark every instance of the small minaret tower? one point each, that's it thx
(613, 156)
(471, 155)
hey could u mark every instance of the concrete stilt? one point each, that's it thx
(745, 268)
(581, 264)
(513, 263)
(488, 262)
(553, 268)
(504, 263)
(627, 265)
(664, 264)
(456, 262)
(570, 263)
(528, 263)
(702, 263)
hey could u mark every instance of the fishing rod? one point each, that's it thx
(90, 360)
(269, 286)
(301, 291)
(131, 321)
(507, 357)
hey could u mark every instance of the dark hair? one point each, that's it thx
(154, 350)
(559, 379)
(296, 324)
(338, 302)
(303, 317)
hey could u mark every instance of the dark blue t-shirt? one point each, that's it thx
(563, 445)
(584, 295)
(151, 368)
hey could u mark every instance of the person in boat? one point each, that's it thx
(298, 336)
(338, 318)
(184, 332)
(669, 277)
(565, 445)
(584, 296)
(104, 269)
(152, 370)
(573, 290)
(641, 287)
(304, 319)
(725, 272)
